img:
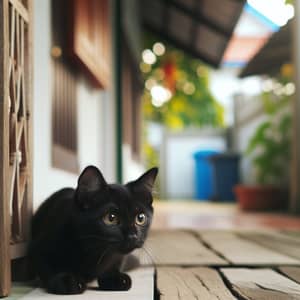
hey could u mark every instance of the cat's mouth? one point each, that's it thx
(129, 246)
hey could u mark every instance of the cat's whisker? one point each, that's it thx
(149, 255)
(103, 254)
(90, 248)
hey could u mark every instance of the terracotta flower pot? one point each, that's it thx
(260, 197)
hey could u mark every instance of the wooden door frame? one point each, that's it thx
(5, 272)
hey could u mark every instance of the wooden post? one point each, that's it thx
(295, 164)
(28, 207)
(4, 155)
(15, 133)
(117, 34)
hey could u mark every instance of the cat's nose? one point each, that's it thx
(132, 237)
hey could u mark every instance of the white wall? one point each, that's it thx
(95, 118)
(224, 84)
(177, 164)
(132, 169)
(244, 134)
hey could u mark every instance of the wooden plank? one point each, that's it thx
(4, 155)
(142, 289)
(262, 284)
(239, 251)
(282, 243)
(27, 209)
(291, 272)
(292, 233)
(176, 248)
(19, 7)
(191, 283)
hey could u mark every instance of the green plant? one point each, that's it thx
(191, 104)
(270, 146)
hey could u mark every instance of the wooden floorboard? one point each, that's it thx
(291, 233)
(261, 284)
(191, 283)
(240, 251)
(291, 272)
(209, 265)
(177, 248)
(287, 245)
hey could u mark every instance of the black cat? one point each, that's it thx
(83, 234)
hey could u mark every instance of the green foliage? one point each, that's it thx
(192, 104)
(271, 148)
(151, 155)
(270, 145)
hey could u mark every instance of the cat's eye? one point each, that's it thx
(111, 219)
(140, 219)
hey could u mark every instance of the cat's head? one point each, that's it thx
(118, 215)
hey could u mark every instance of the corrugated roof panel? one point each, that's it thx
(200, 28)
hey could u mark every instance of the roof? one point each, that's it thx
(276, 52)
(241, 49)
(200, 28)
(250, 34)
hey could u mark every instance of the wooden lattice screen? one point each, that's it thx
(15, 133)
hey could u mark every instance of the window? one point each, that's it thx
(131, 95)
(90, 39)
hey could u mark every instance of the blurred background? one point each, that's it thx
(207, 90)
(202, 89)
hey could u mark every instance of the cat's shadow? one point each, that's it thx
(130, 263)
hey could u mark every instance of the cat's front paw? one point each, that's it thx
(115, 282)
(66, 284)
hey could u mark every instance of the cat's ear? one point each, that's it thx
(146, 181)
(90, 180)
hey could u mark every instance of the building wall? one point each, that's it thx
(177, 163)
(95, 118)
(224, 84)
(244, 134)
(132, 168)
(249, 114)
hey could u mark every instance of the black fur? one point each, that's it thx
(71, 243)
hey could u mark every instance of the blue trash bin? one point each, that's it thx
(225, 173)
(203, 174)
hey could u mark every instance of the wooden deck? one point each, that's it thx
(208, 265)
(257, 257)
(215, 264)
